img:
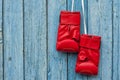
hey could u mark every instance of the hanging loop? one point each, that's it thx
(72, 6)
(84, 19)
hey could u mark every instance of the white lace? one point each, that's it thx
(84, 20)
(72, 6)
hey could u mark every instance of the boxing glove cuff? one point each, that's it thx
(90, 41)
(72, 18)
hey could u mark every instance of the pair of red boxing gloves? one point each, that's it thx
(70, 40)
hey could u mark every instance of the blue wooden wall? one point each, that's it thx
(28, 31)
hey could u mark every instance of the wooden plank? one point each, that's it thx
(1, 16)
(73, 56)
(116, 40)
(1, 60)
(1, 43)
(13, 39)
(100, 23)
(35, 40)
(94, 28)
(57, 61)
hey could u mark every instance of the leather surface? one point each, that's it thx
(68, 32)
(88, 57)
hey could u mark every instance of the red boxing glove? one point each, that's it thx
(88, 57)
(68, 32)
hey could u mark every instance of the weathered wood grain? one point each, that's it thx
(116, 40)
(57, 61)
(13, 39)
(72, 75)
(94, 27)
(100, 23)
(35, 40)
(1, 43)
(30, 33)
